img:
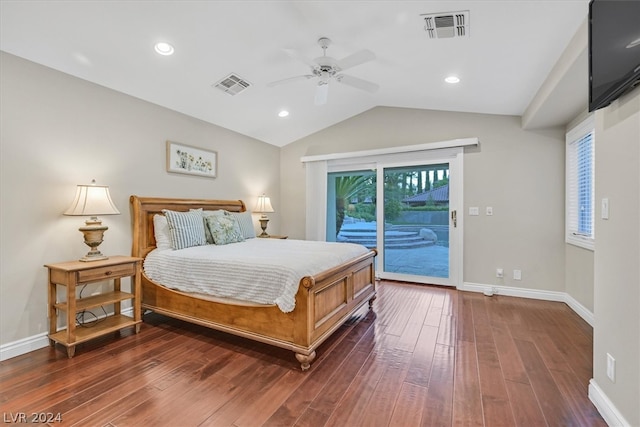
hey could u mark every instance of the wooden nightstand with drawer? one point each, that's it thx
(76, 273)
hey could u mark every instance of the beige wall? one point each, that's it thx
(519, 173)
(617, 254)
(58, 131)
(578, 276)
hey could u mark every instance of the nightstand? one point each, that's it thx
(273, 236)
(76, 273)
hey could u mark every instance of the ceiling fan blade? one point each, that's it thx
(357, 83)
(356, 59)
(296, 55)
(322, 93)
(290, 80)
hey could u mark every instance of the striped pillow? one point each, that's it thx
(246, 224)
(186, 229)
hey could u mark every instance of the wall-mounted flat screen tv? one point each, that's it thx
(614, 50)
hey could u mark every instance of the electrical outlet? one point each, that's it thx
(611, 368)
(490, 291)
(499, 273)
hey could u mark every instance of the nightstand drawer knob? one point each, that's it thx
(108, 273)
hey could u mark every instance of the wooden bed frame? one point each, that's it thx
(323, 302)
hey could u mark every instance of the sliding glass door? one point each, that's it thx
(416, 223)
(406, 210)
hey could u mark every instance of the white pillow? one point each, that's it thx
(161, 232)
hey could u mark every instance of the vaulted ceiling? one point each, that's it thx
(509, 49)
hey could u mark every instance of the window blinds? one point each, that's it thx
(580, 183)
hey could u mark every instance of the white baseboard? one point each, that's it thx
(578, 308)
(25, 345)
(35, 342)
(607, 409)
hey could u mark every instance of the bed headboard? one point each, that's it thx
(144, 208)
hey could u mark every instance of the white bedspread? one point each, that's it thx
(264, 271)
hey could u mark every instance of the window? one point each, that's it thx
(579, 213)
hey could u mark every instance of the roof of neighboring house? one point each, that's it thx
(440, 194)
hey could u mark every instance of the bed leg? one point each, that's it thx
(305, 360)
(371, 301)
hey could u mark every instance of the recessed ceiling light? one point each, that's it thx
(452, 79)
(283, 113)
(164, 48)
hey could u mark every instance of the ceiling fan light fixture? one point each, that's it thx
(283, 113)
(328, 70)
(164, 48)
(322, 93)
(452, 79)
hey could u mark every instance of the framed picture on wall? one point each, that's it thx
(182, 158)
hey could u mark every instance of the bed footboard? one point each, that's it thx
(323, 304)
(336, 294)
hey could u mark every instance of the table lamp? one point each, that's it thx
(92, 200)
(263, 206)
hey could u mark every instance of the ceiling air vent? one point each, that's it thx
(447, 24)
(232, 84)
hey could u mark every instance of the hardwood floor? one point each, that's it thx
(423, 356)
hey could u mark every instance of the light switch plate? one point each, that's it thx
(604, 211)
(474, 211)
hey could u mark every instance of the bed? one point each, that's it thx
(323, 301)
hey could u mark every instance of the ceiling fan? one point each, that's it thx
(326, 69)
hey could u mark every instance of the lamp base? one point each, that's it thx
(263, 224)
(93, 257)
(93, 233)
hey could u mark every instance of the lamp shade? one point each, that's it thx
(263, 205)
(92, 200)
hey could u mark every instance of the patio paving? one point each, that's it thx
(426, 261)
(422, 261)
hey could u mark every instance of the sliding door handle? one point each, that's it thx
(454, 218)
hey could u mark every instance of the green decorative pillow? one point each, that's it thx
(186, 229)
(205, 214)
(224, 229)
